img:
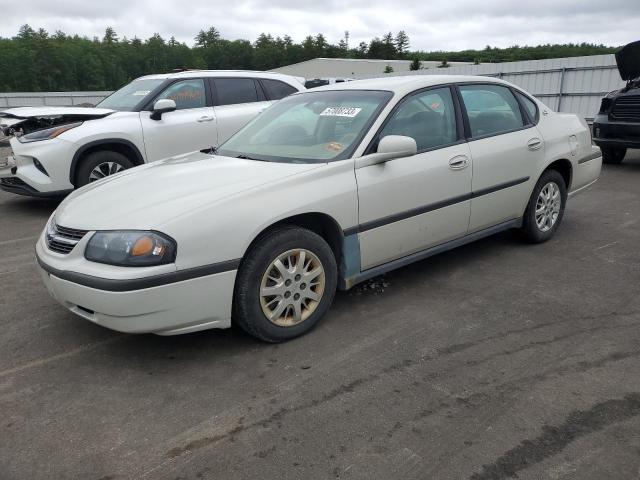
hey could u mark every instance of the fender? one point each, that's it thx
(139, 160)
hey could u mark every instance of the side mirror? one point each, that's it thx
(389, 148)
(162, 106)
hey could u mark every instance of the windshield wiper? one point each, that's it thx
(210, 150)
(246, 157)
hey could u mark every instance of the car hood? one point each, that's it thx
(145, 197)
(23, 120)
(628, 60)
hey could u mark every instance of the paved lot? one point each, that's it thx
(492, 361)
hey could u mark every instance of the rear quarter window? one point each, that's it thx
(276, 89)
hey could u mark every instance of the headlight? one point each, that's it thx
(131, 248)
(47, 134)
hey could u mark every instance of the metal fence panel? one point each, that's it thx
(574, 84)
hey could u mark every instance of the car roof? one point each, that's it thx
(407, 83)
(223, 73)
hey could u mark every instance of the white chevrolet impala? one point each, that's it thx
(325, 189)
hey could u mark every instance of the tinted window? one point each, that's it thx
(276, 89)
(186, 94)
(428, 117)
(530, 106)
(236, 90)
(491, 109)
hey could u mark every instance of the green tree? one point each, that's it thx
(402, 43)
(416, 64)
(388, 69)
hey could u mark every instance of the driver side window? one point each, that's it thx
(186, 94)
(428, 117)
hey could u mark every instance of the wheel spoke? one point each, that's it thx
(275, 290)
(278, 311)
(297, 312)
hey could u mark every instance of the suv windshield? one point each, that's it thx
(314, 127)
(129, 96)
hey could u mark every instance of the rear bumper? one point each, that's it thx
(611, 133)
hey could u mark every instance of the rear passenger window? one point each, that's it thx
(529, 105)
(428, 117)
(235, 90)
(492, 109)
(277, 89)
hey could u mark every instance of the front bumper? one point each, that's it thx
(19, 174)
(168, 309)
(611, 133)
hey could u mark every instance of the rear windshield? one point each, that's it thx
(128, 97)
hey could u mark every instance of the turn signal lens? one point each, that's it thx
(143, 246)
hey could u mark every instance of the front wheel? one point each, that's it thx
(613, 155)
(285, 284)
(101, 164)
(545, 208)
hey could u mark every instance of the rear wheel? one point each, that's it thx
(285, 284)
(545, 208)
(613, 155)
(101, 164)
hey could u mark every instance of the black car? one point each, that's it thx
(616, 127)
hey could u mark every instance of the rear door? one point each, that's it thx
(506, 149)
(237, 102)
(189, 128)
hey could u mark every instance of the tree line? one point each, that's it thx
(35, 60)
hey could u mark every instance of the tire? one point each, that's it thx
(258, 272)
(540, 228)
(612, 155)
(106, 162)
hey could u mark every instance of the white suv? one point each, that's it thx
(56, 149)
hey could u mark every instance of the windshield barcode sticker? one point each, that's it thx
(340, 112)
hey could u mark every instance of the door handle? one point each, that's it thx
(205, 118)
(459, 162)
(534, 144)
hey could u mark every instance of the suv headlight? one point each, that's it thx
(131, 248)
(47, 133)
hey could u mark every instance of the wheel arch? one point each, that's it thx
(564, 168)
(320, 223)
(120, 145)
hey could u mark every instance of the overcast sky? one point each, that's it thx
(431, 25)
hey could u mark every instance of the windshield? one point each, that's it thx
(314, 127)
(129, 96)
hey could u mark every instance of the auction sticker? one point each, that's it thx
(141, 93)
(340, 112)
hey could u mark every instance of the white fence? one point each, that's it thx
(51, 99)
(574, 84)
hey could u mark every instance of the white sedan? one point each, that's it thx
(325, 189)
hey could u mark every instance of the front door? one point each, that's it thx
(191, 127)
(410, 204)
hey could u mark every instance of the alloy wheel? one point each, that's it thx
(292, 287)
(104, 169)
(548, 206)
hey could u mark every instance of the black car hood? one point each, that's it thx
(628, 60)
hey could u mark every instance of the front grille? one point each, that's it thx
(12, 182)
(63, 239)
(627, 108)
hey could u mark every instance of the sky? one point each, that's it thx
(431, 25)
